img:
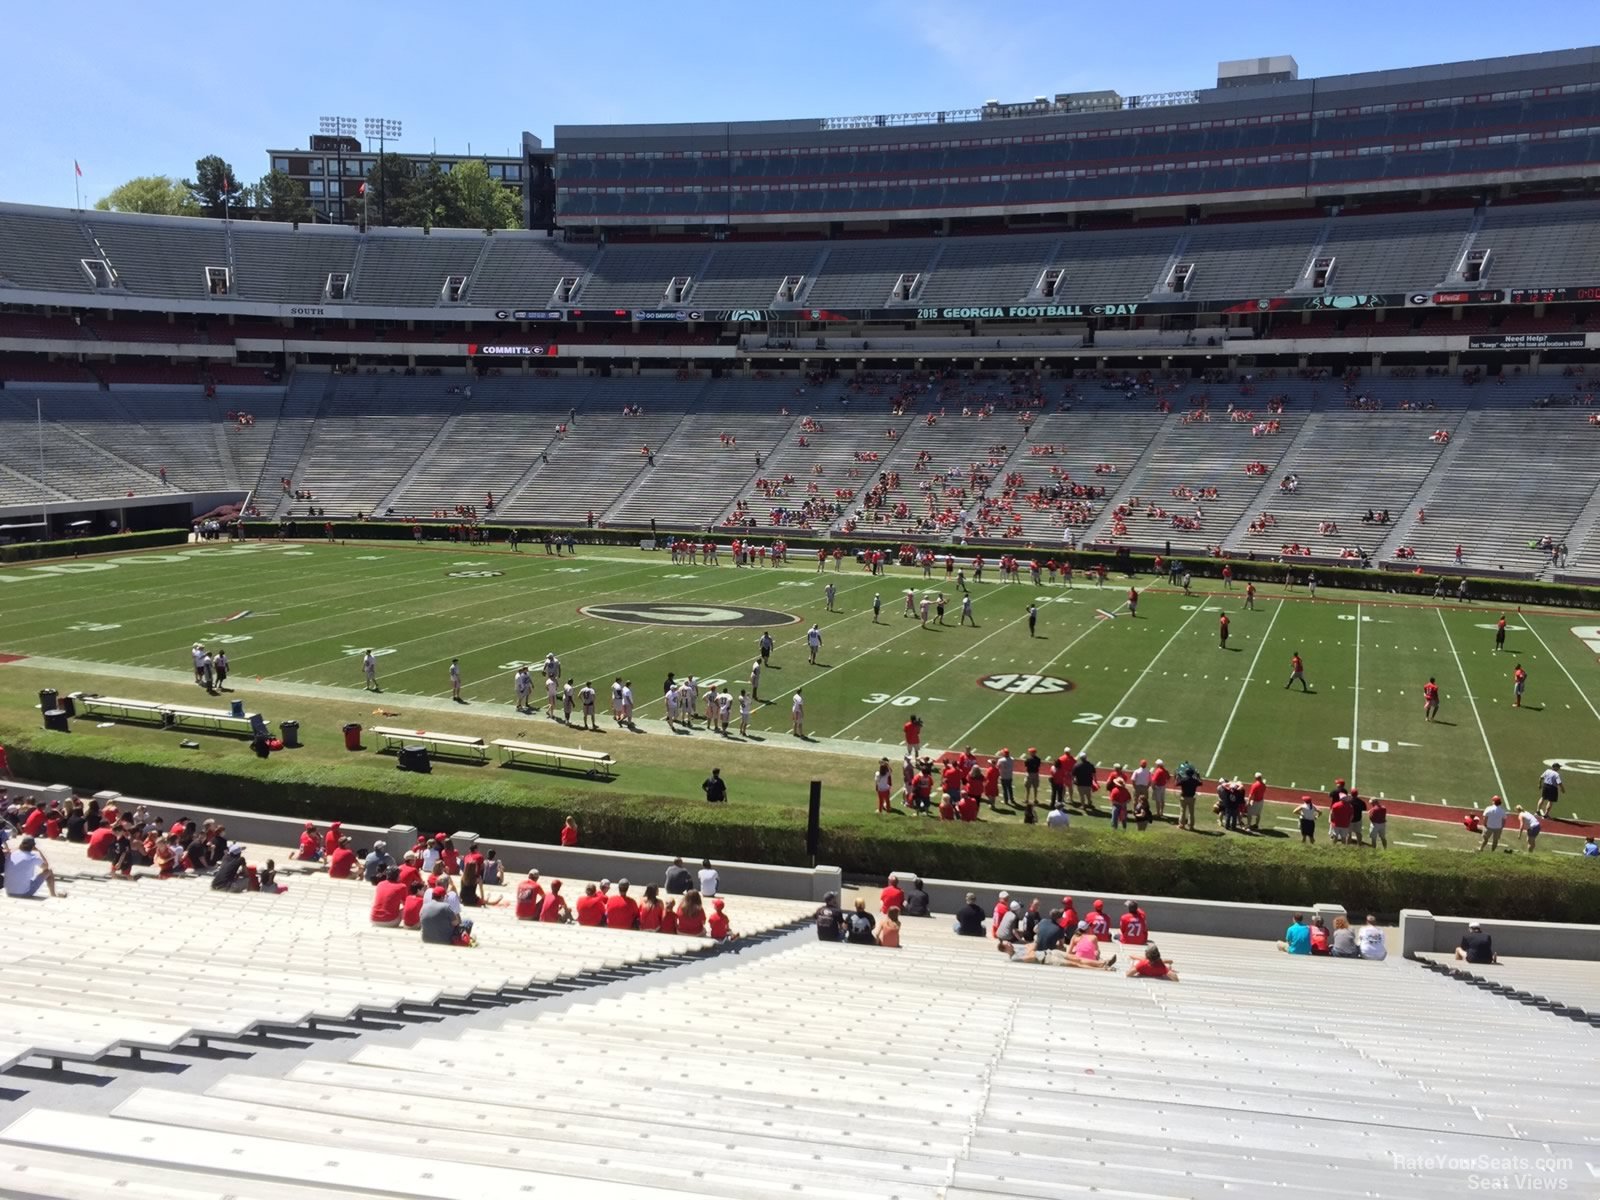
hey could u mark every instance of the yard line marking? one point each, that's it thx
(1355, 714)
(1239, 699)
(1482, 732)
(1581, 693)
(962, 740)
(907, 687)
(1112, 715)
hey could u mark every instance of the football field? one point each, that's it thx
(1095, 679)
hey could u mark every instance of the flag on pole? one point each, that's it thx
(362, 190)
(77, 168)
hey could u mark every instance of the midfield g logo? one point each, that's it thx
(706, 616)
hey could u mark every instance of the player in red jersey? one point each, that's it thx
(1227, 577)
(1133, 602)
(1500, 635)
(1250, 596)
(1519, 680)
(1297, 670)
(1430, 700)
(1097, 922)
(1222, 629)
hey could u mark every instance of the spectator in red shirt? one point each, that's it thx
(947, 810)
(669, 917)
(991, 785)
(342, 862)
(622, 911)
(913, 734)
(554, 909)
(1069, 916)
(967, 807)
(569, 832)
(891, 896)
(100, 843)
(310, 844)
(409, 871)
(1135, 926)
(411, 910)
(330, 840)
(1118, 794)
(1257, 796)
(717, 923)
(387, 899)
(1097, 922)
(1319, 936)
(530, 898)
(33, 824)
(692, 915)
(591, 907)
(650, 910)
(1339, 818)
(1152, 966)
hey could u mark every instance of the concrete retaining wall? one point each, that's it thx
(1423, 933)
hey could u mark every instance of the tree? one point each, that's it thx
(428, 200)
(388, 185)
(158, 194)
(281, 198)
(482, 201)
(214, 180)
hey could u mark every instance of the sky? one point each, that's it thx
(145, 89)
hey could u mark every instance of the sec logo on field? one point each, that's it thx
(715, 616)
(1026, 685)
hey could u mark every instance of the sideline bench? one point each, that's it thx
(218, 719)
(594, 762)
(441, 744)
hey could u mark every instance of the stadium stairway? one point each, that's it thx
(1401, 536)
(1583, 543)
(307, 393)
(1307, 435)
(418, 466)
(939, 1071)
(1522, 981)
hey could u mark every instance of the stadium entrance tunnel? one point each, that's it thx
(709, 616)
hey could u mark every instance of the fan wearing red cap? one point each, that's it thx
(1097, 922)
(330, 840)
(554, 909)
(717, 923)
(1134, 926)
(591, 906)
(1069, 916)
(310, 844)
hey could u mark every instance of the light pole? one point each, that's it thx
(340, 128)
(382, 128)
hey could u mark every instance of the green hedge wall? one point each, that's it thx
(108, 544)
(1269, 871)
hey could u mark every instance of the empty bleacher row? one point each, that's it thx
(1539, 245)
(763, 1077)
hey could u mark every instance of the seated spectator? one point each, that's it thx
(100, 843)
(267, 879)
(650, 910)
(27, 871)
(1297, 938)
(1050, 935)
(1370, 940)
(389, 897)
(1085, 952)
(230, 871)
(622, 911)
(494, 872)
(530, 898)
(441, 925)
(1476, 947)
(892, 896)
(591, 907)
(1152, 966)
(970, 921)
(377, 864)
(1343, 943)
(692, 915)
(554, 910)
(678, 880)
(669, 917)
(331, 839)
(1058, 818)
(411, 909)
(889, 929)
(1134, 927)
(1319, 935)
(918, 904)
(342, 862)
(859, 925)
(830, 920)
(717, 924)
(410, 872)
(310, 844)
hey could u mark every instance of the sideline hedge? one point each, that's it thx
(106, 544)
(1266, 870)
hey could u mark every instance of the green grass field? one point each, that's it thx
(1157, 685)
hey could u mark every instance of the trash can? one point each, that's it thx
(236, 708)
(414, 758)
(68, 706)
(352, 737)
(48, 698)
(291, 734)
(55, 718)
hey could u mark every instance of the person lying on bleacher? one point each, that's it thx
(1152, 966)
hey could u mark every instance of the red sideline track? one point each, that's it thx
(1290, 798)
